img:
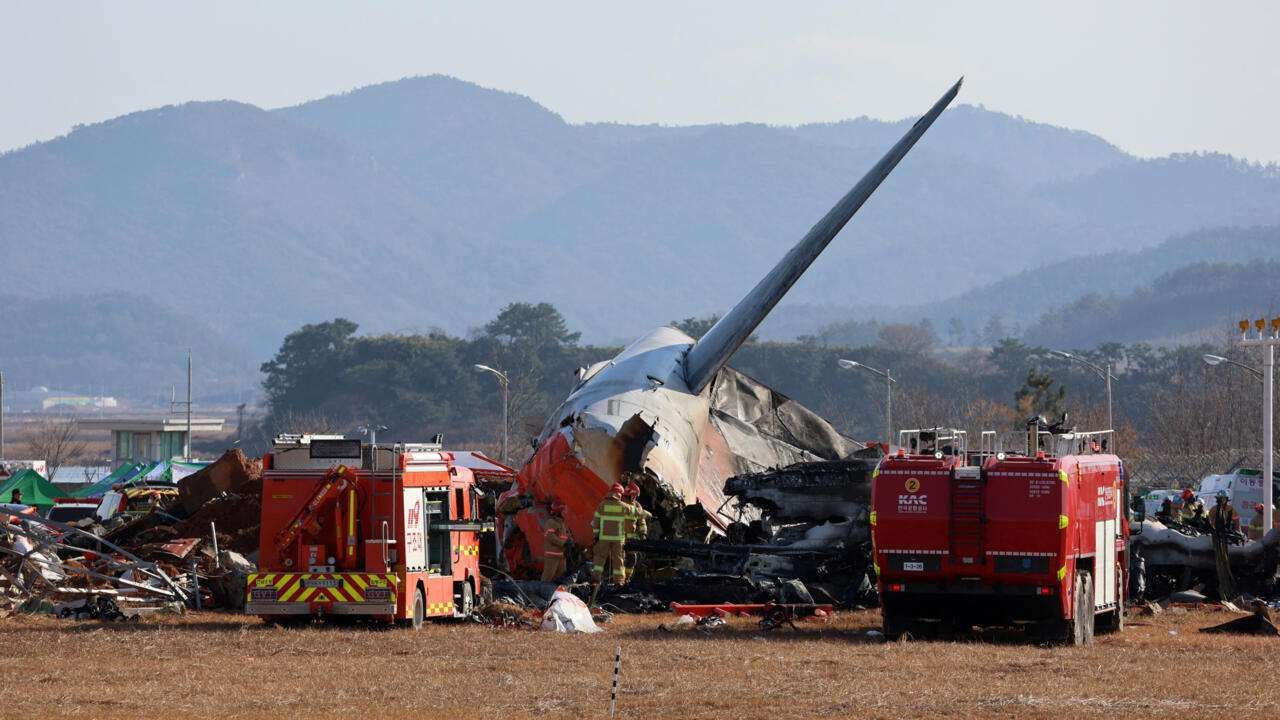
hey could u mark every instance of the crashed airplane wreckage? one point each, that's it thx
(1169, 561)
(670, 410)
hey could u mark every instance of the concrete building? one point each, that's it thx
(149, 439)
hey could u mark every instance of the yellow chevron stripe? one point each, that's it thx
(292, 587)
(306, 593)
(284, 580)
(352, 590)
(359, 581)
(337, 594)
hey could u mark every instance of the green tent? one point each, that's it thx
(35, 489)
(122, 474)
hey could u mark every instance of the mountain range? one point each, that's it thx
(430, 202)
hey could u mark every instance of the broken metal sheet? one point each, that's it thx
(178, 549)
(1160, 545)
(815, 491)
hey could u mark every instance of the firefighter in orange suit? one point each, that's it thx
(610, 527)
(557, 536)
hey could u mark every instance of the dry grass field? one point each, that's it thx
(221, 666)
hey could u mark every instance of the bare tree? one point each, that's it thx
(57, 441)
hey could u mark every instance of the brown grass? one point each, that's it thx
(224, 666)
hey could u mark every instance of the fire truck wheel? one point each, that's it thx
(1082, 627)
(419, 609)
(895, 625)
(466, 600)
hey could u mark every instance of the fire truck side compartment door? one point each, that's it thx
(415, 530)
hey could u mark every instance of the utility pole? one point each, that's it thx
(1267, 341)
(186, 446)
(186, 443)
(1, 415)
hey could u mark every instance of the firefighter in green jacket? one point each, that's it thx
(610, 527)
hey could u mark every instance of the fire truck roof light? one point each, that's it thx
(1000, 456)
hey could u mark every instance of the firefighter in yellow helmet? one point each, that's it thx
(610, 527)
(638, 525)
(553, 543)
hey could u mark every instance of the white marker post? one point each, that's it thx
(617, 671)
(1266, 339)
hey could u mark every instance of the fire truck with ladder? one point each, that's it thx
(386, 532)
(1036, 538)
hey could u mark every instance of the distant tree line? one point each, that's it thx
(326, 377)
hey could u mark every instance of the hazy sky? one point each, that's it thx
(1153, 78)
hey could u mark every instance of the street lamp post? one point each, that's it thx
(1267, 341)
(505, 383)
(888, 401)
(1105, 374)
(1218, 360)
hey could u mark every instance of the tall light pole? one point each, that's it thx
(1, 415)
(1218, 360)
(888, 401)
(1106, 375)
(186, 444)
(505, 383)
(1267, 341)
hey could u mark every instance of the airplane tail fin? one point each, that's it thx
(713, 350)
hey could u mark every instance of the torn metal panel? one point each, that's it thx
(814, 491)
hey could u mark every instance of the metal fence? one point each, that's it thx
(1151, 472)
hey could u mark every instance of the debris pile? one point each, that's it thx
(801, 532)
(155, 550)
(1169, 561)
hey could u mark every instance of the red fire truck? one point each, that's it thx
(391, 533)
(1036, 539)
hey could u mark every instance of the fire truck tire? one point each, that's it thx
(419, 609)
(1079, 629)
(1082, 626)
(894, 624)
(466, 600)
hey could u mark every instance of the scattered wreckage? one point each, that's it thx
(1168, 559)
(157, 557)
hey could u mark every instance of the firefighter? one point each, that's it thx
(1224, 521)
(610, 527)
(553, 544)
(1166, 514)
(1255, 523)
(1192, 509)
(638, 525)
(16, 497)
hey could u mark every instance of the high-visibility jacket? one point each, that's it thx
(610, 520)
(557, 536)
(638, 525)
